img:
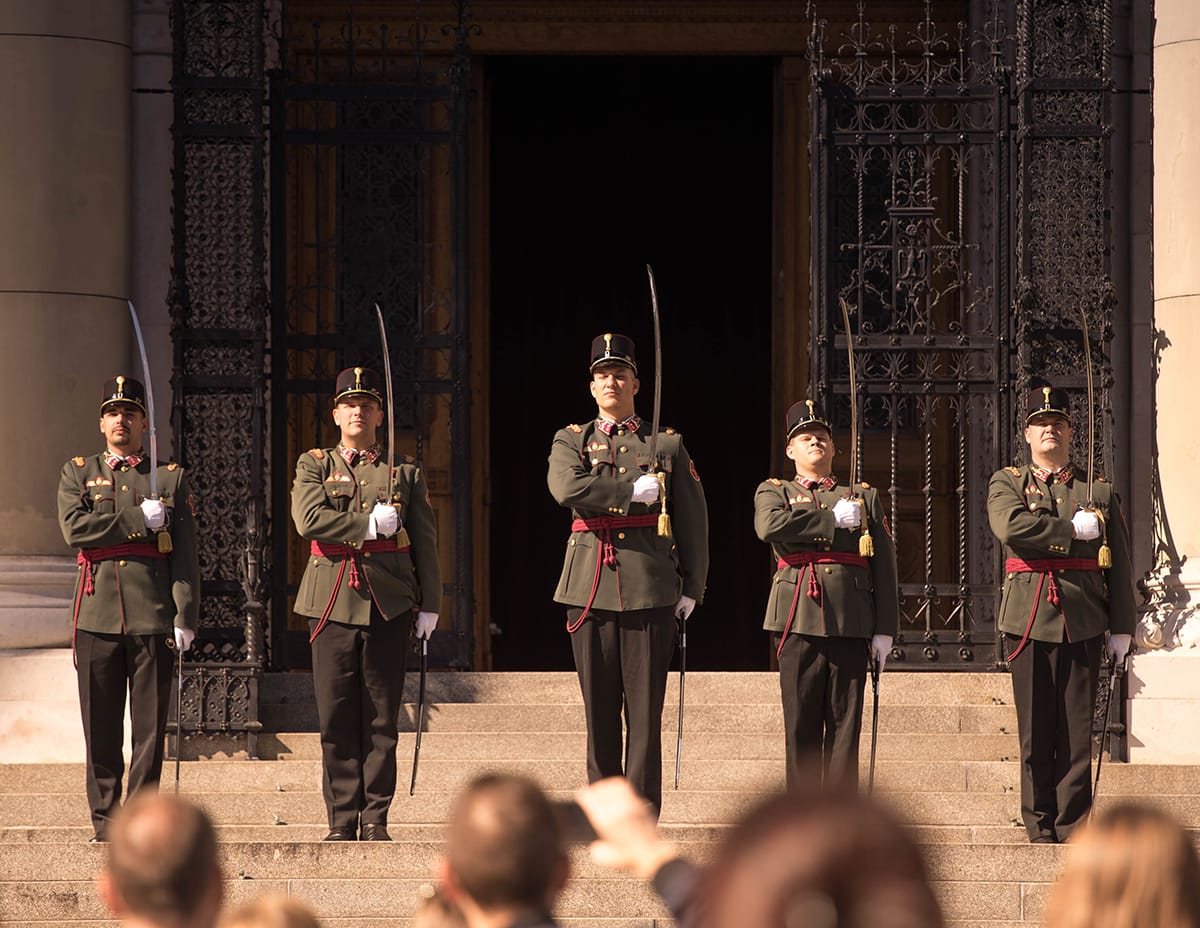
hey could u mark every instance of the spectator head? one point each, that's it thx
(504, 848)
(162, 864)
(1131, 866)
(821, 858)
(271, 911)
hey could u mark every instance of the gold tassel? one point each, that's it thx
(866, 544)
(1104, 557)
(165, 546)
(664, 520)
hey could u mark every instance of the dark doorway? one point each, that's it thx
(598, 167)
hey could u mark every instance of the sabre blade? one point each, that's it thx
(149, 385)
(1087, 361)
(391, 420)
(853, 398)
(657, 372)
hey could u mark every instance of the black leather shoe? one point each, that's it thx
(340, 833)
(373, 832)
(97, 839)
(1044, 839)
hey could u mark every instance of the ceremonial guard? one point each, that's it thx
(372, 563)
(137, 597)
(1067, 580)
(834, 606)
(636, 559)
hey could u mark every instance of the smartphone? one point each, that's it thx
(575, 825)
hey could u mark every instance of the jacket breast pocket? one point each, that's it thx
(339, 494)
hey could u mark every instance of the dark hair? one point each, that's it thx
(820, 857)
(162, 857)
(503, 844)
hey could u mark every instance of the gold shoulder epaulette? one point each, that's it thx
(864, 484)
(577, 429)
(77, 461)
(316, 453)
(669, 430)
(1015, 471)
(408, 459)
(775, 481)
(172, 466)
(1099, 478)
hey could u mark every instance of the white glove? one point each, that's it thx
(185, 636)
(384, 521)
(881, 646)
(645, 489)
(683, 608)
(1087, 525)
(426, 623)
(847, 513)
(155, 514)
(1118, 647)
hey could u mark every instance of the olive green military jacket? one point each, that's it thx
(99, 508)
(851, 601)
(1032, 520)
(332, 503)
(592, 474)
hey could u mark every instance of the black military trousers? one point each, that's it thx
(622, 659)
(358, 676)
(1054, 689)
(821, 681)
(109, 666)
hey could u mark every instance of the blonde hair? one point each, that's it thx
(1132, 866)
(271, 911)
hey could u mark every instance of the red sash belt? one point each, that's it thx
(347, 553)
(602, 526)
(87, 558)
(1046, 566)
(805, 561)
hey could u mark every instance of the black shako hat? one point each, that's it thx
(122, 389)
(1047, 401)
(358, 381)
(803, 415)
(613, 349)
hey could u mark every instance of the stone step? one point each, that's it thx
(897, 687)
(292, 775)
(753, 717)
(689, 807)
(275, 860)
(365, 898)
(501, 747)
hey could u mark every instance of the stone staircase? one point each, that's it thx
(946, 763)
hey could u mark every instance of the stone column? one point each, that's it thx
(64, 277)
(1165, 695)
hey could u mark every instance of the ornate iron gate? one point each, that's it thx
(932, 154)
(368, 160)
(249, 365)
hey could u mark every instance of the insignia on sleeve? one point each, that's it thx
(1015, 471)
(77, 461)
(574, 428)
(887, 527)
(192, 503)
(695, 473)
(316, 453)
(172, 466)
(775, 481)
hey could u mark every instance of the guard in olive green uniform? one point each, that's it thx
(1060, 596)
(833, 609)
(372, 561)
(623, 582)
(136, 598)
